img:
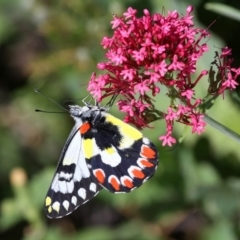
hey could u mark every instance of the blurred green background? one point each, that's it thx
(54, 46)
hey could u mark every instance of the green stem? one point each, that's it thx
(222, 128)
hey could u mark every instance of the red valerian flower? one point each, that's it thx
(144, 54)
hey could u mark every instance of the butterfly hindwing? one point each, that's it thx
(73, 183)
(121, 158)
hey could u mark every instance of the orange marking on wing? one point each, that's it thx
(99, 174)
(147, 152)
(128, 183)
(115, 183)
(138, 173)
(146, 163)
(85, 127)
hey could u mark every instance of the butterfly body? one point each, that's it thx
(101, 151)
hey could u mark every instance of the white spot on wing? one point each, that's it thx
(66, 176)
(89, 166)
(56, 206)
(146, 179)
(66, 204)
(112, 159)
(82, 193)
(133, 189)
(77, 174)
(119, 192)
(70, 186)
(74, 200)
(146, 141)
(93, 187)
(61, 185)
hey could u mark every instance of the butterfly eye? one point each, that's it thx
(75, 111)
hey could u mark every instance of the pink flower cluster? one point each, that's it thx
(152, 51)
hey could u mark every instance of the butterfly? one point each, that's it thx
(101, 152)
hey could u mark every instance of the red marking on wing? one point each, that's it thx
(138, 173)
(147, 152)
(99, 174)
(146, 163)
(128, 183)
(115, 183)
(85, 127)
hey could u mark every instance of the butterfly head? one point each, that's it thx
(77, 111)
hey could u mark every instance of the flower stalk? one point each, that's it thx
(225, 130)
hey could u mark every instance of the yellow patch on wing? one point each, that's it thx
(129, 133)
(110, 150)
(49, 209)
(88, 147)
(48, 201)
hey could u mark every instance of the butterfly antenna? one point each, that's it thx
(50, 99)
(84, 100)
(90, 100)
(96, 103)
(43, 111)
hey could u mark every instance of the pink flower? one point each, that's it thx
(167, 140)
(176, 65)
(230, 82)
(142, 87)
(198, 125)
(148, 53)
(130, 13)
(128, 74)
(171, 115)
(188, 94)
(183, 109)
(139, 55)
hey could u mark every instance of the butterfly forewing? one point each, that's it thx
(73, 183)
